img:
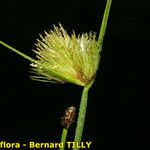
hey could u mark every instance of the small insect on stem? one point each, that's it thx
(68, 118)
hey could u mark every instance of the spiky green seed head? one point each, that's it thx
(63, 58)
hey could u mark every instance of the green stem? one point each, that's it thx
(84, 98)
(104, 22)
(18, 52)
(63, 137)
(82, 113)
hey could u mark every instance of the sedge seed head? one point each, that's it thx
(63, 58)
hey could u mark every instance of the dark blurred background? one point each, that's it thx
(119, 102)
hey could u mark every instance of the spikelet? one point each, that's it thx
(63, 58)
